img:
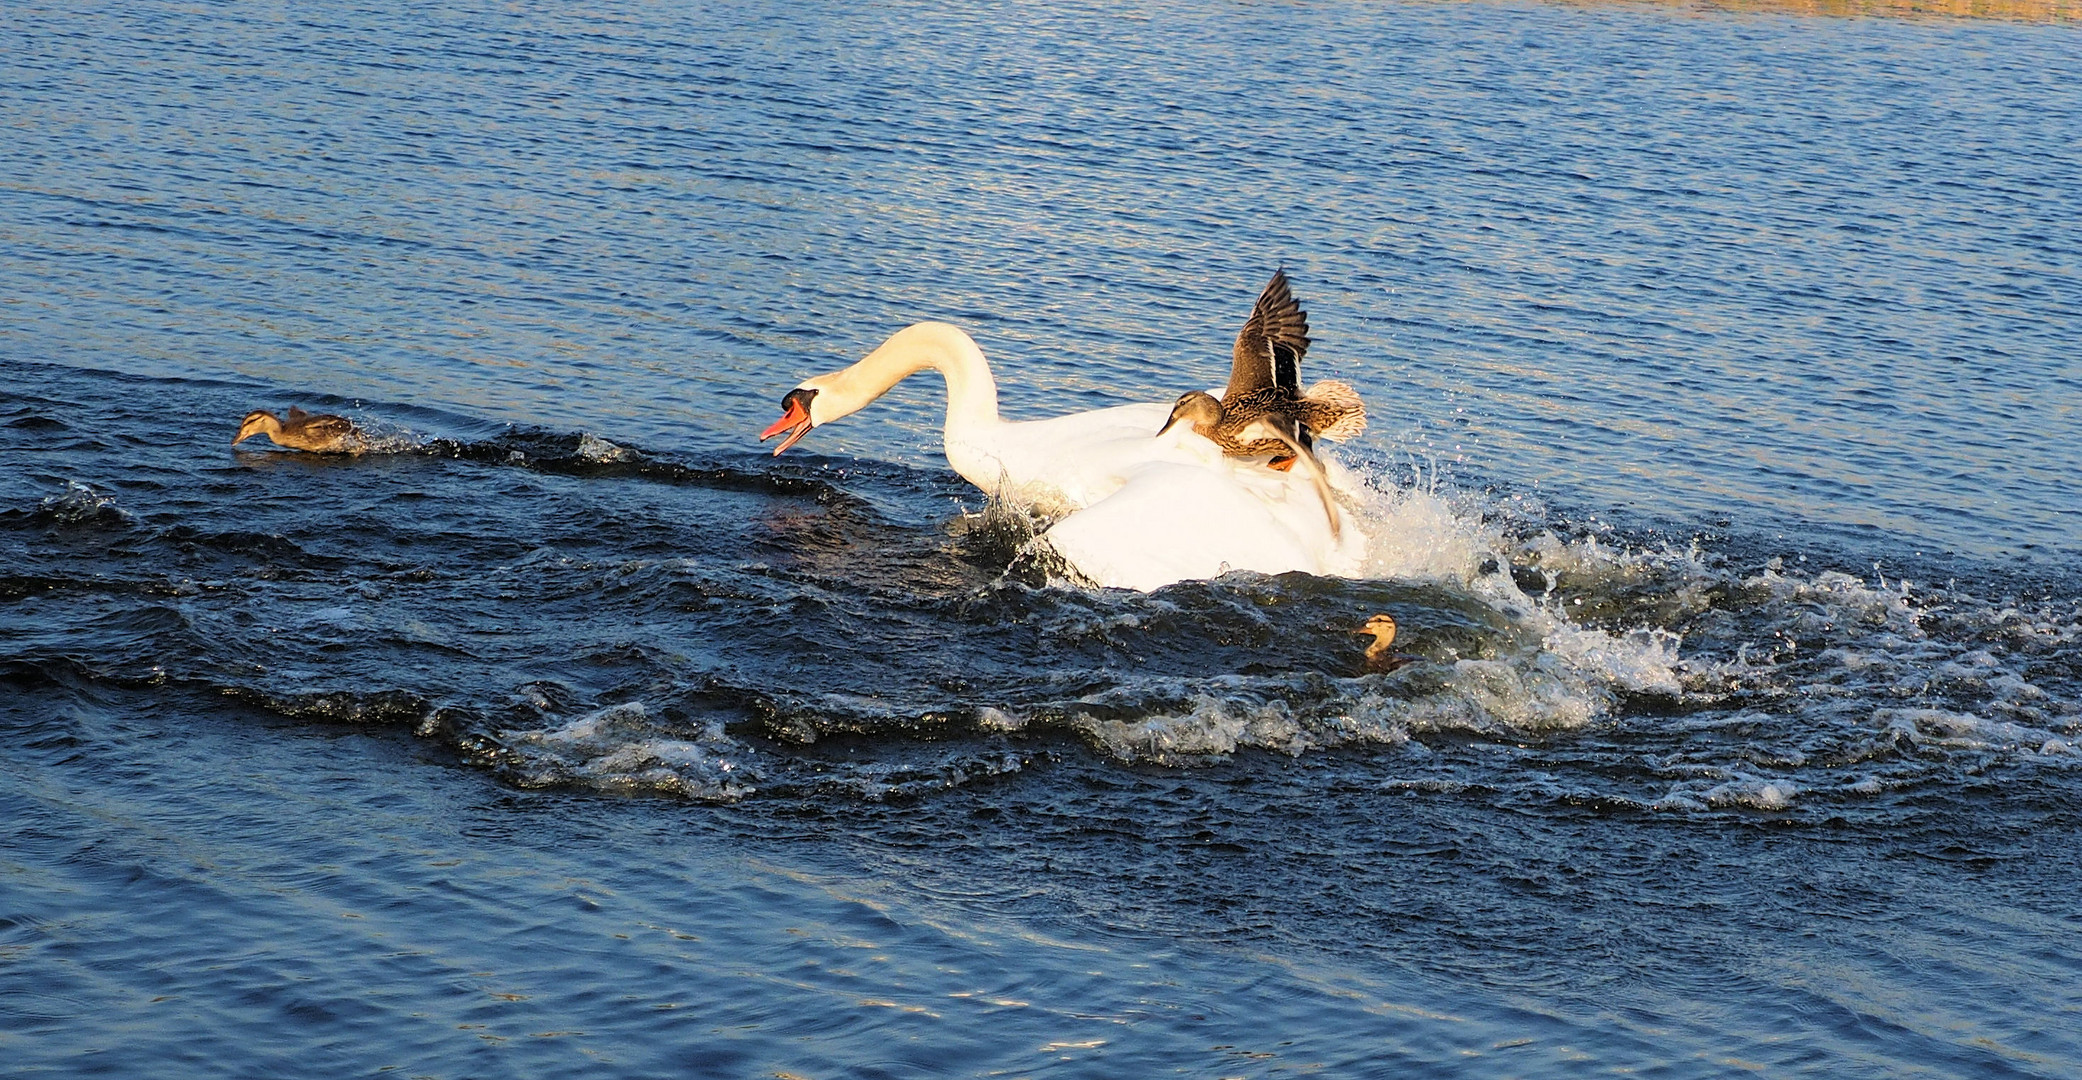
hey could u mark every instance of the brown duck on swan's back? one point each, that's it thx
(319, 433)
(1263, 411)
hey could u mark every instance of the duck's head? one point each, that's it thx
(257, 422)
(1382, 627)
(1198, 409)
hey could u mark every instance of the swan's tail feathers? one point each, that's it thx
(1269, 427)
(1338, 406)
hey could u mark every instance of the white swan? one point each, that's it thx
(1141, 511)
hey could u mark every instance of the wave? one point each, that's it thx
(721, 631)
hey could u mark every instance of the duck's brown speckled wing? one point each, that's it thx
(321, 433)
(1263, 405)
(1271, 344)
(327, 426)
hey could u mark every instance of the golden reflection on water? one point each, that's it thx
(2044, 11)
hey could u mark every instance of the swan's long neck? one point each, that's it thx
(972, 395)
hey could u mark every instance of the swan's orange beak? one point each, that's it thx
(795, 420)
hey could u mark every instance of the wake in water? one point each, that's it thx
(563, 610)
(1523, 633)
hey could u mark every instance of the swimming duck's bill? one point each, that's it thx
(255, 423)
(1381, 627)
(795, 419)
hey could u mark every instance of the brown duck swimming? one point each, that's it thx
(319, 433)
(1263, 411)
(1378, 658)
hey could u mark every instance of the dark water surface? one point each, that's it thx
(1726, 413)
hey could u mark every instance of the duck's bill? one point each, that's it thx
(794, 421)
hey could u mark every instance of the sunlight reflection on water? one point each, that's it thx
(1706, 266)
(515, 751)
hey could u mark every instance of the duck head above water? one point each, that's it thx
(1378, 658)
(1382, 627)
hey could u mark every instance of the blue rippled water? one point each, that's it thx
(1724, 388)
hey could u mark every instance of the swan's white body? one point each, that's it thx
(1141, 512)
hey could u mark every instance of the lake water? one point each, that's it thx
(1726, 402)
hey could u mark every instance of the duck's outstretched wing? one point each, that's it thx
(1271, 344)
(1332, 410)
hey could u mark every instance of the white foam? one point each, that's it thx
(1499, 698)
(1416, 534)
(80, 503)
(1564, 675)
(620, 748)
(1960, 730)
(1213, 728)
(1000, 721)
(1836, 598)
(1511, 698)
(594, 448)
(1735, 790)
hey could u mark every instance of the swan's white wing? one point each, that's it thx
(1145, 512)
(1288, 432)
(1063, 463)
(1173, 521)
